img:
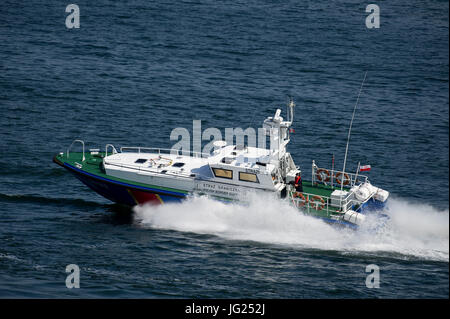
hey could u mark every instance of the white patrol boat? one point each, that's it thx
(138, 175)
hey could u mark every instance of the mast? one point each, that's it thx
(278, 130)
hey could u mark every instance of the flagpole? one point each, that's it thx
(349, 131)
(357, 171)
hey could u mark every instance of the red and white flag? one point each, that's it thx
(364, 168)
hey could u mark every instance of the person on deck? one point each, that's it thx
(298, 183)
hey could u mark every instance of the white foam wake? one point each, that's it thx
(416, 230)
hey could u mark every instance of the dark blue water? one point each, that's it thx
(134, 71)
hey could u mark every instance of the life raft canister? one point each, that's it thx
(323, 175)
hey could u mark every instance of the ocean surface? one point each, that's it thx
(135, 70)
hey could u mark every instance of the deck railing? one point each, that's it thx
(75, 141)
(159, 151)
(334, 178)
(114, 151)
(313, 203)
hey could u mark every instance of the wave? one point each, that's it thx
(420, 231)
(27, 198)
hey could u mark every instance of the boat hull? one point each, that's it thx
(120, 192)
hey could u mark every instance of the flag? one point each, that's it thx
(291, 130)
(364, 168)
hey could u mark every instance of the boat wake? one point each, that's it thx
(410, 230)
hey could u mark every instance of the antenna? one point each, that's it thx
(287, 107)
(350, 130)
(290, 109)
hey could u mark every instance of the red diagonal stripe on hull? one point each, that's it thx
(144, 197)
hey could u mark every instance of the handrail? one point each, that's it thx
(354, 179)
(82, 143)
(164, 151)
(114, 151)
(344, 203)
(307, 203)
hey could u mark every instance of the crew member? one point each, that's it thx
(298, 183)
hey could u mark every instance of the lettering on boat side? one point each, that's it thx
(373, 279)
(231, 309)
(73, 19)
(73, 279)
(219, 190)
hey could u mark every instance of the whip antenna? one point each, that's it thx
(350, 130)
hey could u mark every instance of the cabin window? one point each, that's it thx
(178, 164)
(141, 160)
(224, 173)
(248, 177)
